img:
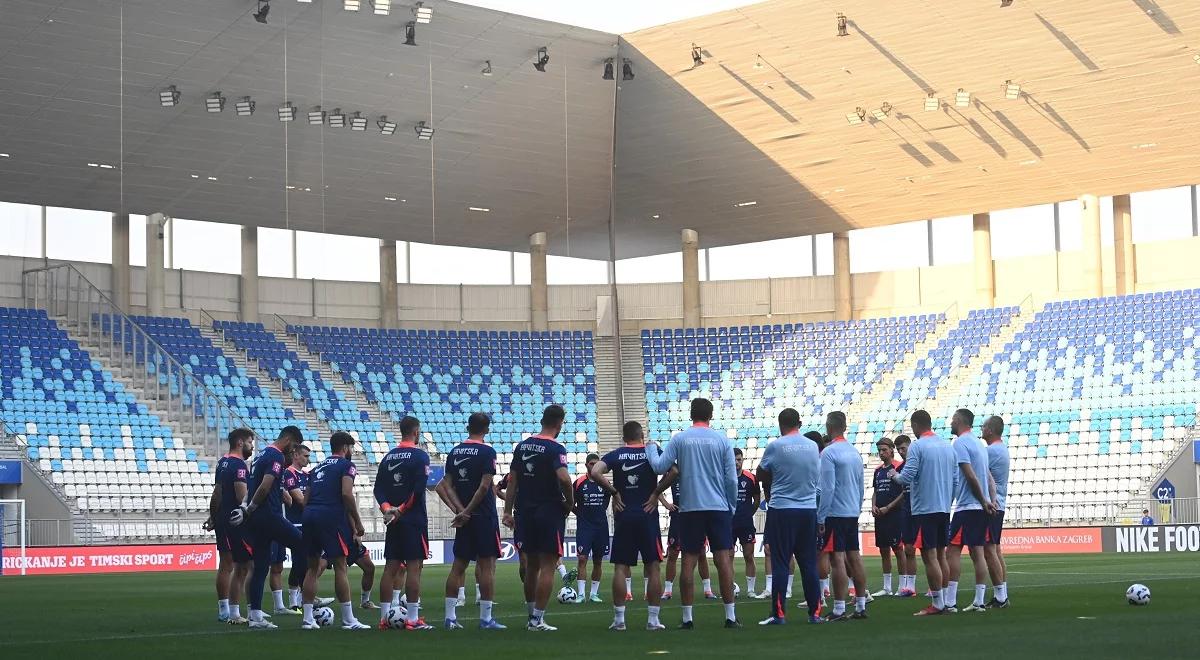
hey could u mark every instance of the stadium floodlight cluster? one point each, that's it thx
(357, 121)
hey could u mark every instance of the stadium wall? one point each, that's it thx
(1160, 266)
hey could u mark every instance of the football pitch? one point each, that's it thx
(1063, 606)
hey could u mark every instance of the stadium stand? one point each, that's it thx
(242, 393)
(1099, 394)
(441, 376)
(304, 384)
(102, 448)
(751, 372)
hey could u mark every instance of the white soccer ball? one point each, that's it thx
(737, 591)
(566, 595)
(323, 616)
(396, 617)
(1138, 594)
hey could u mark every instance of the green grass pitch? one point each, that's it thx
(1063, 607)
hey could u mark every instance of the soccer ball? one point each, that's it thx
(1138, 594)
(396, 617)
(737, 591)
(323, 616)
(566, 595)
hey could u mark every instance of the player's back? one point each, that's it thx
(535, 463)
(633, 478)
(841, 468)
(401, 481)
(467, 464)
(794, 462)
(325, 484)
(969, 449)
(269, 461)
(998, 461)
(933, 487)
(230, 470)
(704, 457)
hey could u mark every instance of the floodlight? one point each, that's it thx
(169, 96)
(215, 102)
(424, 131)
(287, 112)
(543, 59)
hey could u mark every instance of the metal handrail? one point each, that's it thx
(82, 303)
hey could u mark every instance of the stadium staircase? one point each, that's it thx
(272, 382)
(154, 400)
(608, 419)
(943, 403)
(335, 380)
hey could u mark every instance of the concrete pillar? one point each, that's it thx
(155, 285)
(389, 301)
(1093, 269)
(843, 297)
(120, 260)
(691, 278)
(539, 290)
(985, 273)
(248, 285)
(1125, 264)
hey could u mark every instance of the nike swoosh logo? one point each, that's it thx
(631, 468)
(460, 461)
(395, 466)
(528, 457)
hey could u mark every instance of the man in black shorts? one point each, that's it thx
(888, 495)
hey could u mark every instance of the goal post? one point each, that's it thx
(12, 537)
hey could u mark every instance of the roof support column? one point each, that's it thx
(389, 299)
(156, 224)
(1093, 269)
(1124, 258)
(691, 278)
(539, 290)
(120, 260)
(985, 273)
(843, 296)
(248, 292)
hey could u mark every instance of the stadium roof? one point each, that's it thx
(1107, 104)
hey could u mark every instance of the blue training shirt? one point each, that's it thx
(269, 461)
(998, 467)
(325, 485)
(841, 482)
(929, 472)
(401, 480)
(633, 478)
(707, 471)
(794, 462)
(294, 479)
(230, 470)
(591, 504)
(466, 466)
(970, 450)
(535, 464)
(743, 515)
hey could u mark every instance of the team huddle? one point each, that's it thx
(939, 497)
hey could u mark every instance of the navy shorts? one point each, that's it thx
(697, 527)
(908, 530)
(995, 526)
(327, 533)
(746, 535)
(969, 528)
(841, 535)
(634, 536)
(591, 541)
(405, 542)
(888, 531)
(932, 530)
(478, 539)
(264, 528)
(541, 530)
(673, 533)
(231, 540)
(278, 553)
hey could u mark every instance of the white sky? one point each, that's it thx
(80, 235)
(613, 16)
